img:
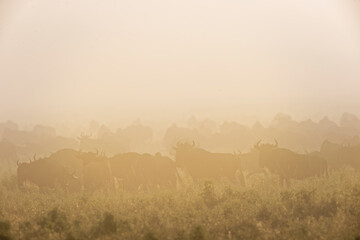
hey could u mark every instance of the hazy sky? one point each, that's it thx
(93, 59)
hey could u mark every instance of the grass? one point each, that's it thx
(317, 208)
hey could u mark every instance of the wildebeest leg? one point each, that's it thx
(240, 178)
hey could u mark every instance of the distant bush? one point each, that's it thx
(301, 204)
(150, 236)
(10, 182)
(5, 230)
(208, 194)
(106, 226)
(197, 233)
(55, 220)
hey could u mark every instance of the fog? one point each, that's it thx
(179, 119)
(116, 61)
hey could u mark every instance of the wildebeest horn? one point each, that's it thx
(193, 143)
(17, 163)
(276, 142)
(258, 143)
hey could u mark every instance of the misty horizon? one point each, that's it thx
(241, 61)
(163, 123)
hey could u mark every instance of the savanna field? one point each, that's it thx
(272, 191)
(315, 208)
(180, 120)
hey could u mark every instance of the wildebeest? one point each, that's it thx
(340, 156)
(201, 164)
(250, 163)
(143, 170)
(70, 160)
(289, 165)
(43, 173)
(350, 156)
(69, 168)
(174, 133)
(330, 151)
(97, 173)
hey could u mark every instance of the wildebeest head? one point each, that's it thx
(97, 172)
(182, 149)
(43, 173)
(88, 157)
(265, 151)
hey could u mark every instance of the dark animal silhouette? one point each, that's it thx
(97, 173)
(330, 151)
(350, 156)
(201, 164)
(44, 174)
(289, 165)
(68, 159)
(143, 170)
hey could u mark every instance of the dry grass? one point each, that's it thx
(312, 209)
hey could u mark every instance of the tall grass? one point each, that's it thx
(317, 208)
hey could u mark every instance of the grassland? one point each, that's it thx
(317, 208)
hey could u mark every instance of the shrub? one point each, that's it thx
(197, 233)
(5, 230)
(208, 194)
(106, 226)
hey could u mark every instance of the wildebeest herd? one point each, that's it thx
(76, 170)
